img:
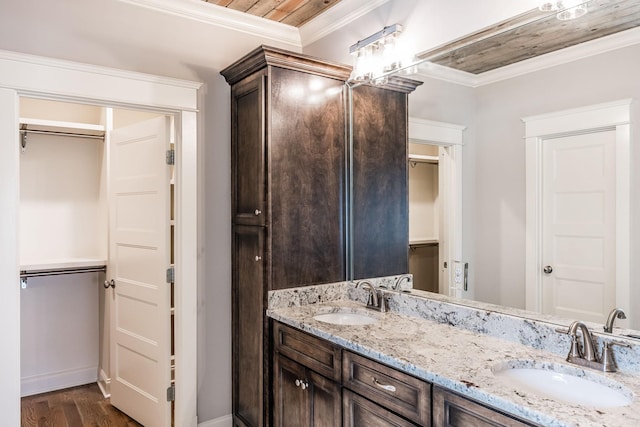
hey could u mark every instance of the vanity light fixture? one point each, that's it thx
(378, 55)
(567, 9)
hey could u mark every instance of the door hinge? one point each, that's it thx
(171, 157)
(171, 275)
(171, 393)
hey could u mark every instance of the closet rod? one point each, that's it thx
(55, 133)
(57, 272)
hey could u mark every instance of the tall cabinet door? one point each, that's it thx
(248, 163)
(380, 196)
(139, 256)
(249, 323)
(307, 182)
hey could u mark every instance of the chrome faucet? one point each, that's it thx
(373, 301)
(398, 285)
(586, 355)
(587, 351)
(616, 313)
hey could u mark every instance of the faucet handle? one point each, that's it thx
(608, 362)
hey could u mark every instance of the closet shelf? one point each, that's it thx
(62, 128)
(421, 158)
(62, 264)
(419, 243)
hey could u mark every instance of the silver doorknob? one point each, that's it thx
(109, 284)
(547, 269)
(258, 258)
(257, 212)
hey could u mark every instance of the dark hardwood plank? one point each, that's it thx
(72, 407)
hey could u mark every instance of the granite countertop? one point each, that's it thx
(462, 360)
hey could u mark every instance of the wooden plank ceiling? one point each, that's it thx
(290, 12)
(532, 34)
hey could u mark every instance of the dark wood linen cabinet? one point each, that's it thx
(288, 191)
(290, 164)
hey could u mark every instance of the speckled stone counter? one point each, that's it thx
(417, 337)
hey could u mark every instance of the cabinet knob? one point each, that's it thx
(304, 385)
(258, 258)
(548, 269)
(298, 382)
(257, 212)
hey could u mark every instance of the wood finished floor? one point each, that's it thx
(73, 407)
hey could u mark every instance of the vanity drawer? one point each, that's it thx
(399, 392)
(314, 353)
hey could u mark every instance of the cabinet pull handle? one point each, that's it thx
(258, 257)
(384, 386)
(257, 212)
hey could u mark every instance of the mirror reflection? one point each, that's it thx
(492, 88)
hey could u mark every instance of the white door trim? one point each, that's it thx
(450, 136)
(27, 75)
(612, 115)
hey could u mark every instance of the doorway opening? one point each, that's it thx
(435, 207)
(86, 84)
(96, 238)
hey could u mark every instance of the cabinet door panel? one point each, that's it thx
(291, 403)
(307, 178)
(451, 410)
(248, 325)
(326, 402)
(248, 151)
(380, 192)
(358, 412)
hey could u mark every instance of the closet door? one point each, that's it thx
(139, 255)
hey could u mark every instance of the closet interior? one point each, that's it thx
(64, 237)
(424, 216)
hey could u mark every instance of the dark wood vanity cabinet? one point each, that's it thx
(453, 410)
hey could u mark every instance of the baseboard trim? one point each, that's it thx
(104, 383)
(226, 421)
(57, 380)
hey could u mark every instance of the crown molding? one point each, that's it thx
(564, 56)
(335, 18)
(223, 17)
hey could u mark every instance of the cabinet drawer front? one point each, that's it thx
(358, 411)
(314, 353)
(451, 410)
(397, 391)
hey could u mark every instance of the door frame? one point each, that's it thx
(450, 137)
(614, 115)
(40, 77)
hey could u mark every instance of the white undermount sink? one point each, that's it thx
(564, 383)
(346, 317)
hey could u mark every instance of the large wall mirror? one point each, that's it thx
(490, 83)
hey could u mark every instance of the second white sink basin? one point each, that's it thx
(565, 383)
(345, 317)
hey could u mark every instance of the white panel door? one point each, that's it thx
(578, 229)
(138, 258)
